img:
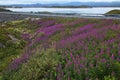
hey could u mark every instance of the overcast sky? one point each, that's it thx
(47, 1)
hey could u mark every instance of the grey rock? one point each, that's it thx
(1, 45)
(13, 38)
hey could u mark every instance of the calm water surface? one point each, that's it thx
(94, 10)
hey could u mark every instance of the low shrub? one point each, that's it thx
(37, 68)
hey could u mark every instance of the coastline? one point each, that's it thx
(11, 16)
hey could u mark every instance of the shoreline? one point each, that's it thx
(11, 16)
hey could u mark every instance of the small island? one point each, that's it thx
(4, 10)
(114, 12)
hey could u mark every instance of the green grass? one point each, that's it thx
(38, 66)
(0, 77)
(113, 12)
(11, 49)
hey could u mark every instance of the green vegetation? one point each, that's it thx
(60, 49)
(38, 66)
(4, 10)
(113, 12)
(11, 41)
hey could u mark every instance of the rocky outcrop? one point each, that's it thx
(1, 45)
(13, 38)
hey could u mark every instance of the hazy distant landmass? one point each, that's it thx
(75, 4)
(82, 6)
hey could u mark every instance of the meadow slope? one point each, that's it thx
(60, 49)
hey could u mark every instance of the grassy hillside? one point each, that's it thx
(61, 49)
(113, 12)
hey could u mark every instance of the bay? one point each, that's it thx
(94, 10)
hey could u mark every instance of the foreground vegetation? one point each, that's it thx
(60, 49)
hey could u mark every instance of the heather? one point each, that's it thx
(61, 49)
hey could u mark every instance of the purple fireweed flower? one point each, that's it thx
(25, 56)
(81, 65)
(103, 60)
(16, 62)
(14, 65)
(73, 23)
(112, 56)
(113, 73)
(68, 78)
(62, 74)
(108, 65)
(47, 32)
(86, 78)
(108, 50)
(39, 39)
(86, 28)
(58, 77)
(97, 56)
(47, 23)
(91, 65)
(118, 59)
(53, 31)
(78, 21)
(114, 27)
(118, 53)
(59, 68)
(111, 41)
(69, 63)
(102, 51)
(50, 28)
(71, 40)
(72, 57)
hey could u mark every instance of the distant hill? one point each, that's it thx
(91, 4)
(113, 12)
(96, 4)
(82, 6)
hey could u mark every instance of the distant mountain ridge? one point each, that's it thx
(92, 4)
